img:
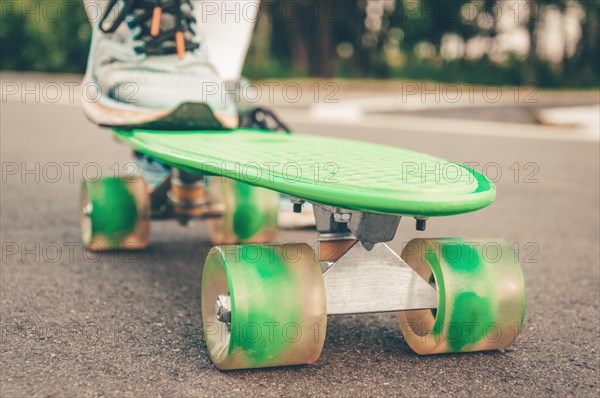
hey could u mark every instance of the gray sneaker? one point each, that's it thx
(147, 69)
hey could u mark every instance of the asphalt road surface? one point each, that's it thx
(75, 324)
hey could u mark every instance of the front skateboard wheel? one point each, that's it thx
(481, 296)
(248, 213)
(263, 305)
(115, 214)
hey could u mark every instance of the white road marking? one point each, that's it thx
(449, 126)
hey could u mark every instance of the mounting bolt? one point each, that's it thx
(87, 209)
(421, 224)
(223, 308)
(297, 202)
(341, 217)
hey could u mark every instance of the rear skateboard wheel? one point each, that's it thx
(248, 213)
(115, 214)
(481, 296)
(263, 306)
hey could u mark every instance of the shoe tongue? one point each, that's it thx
(168, 23)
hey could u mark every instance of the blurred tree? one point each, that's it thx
(43, 35)
(587, 57)
(349, 38)
(304, 34)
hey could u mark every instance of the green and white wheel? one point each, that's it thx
(115, 214)
(263, 305)
(248, 213)
(481, 296)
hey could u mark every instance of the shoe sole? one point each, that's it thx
(187, 116)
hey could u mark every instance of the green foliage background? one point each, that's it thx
(54, 35)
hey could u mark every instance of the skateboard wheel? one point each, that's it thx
(481, 296)
(248, 213)
(115, 214)
(263, 306)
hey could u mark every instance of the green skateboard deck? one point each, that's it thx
(350, 270)
(350, 174)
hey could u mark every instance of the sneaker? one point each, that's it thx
(149, 69)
